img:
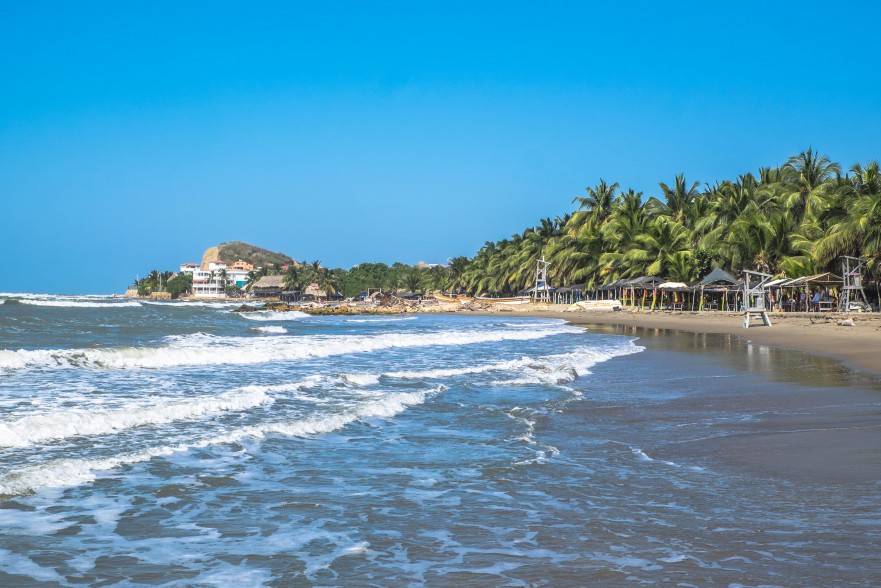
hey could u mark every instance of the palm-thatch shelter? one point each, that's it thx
(674, 294)
(613, 290)
(717, 287)
(643, 285)
(268, 287)
(567, 295)
(816, 292)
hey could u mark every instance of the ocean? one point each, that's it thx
(182, 444)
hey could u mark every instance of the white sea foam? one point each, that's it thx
(271, 329)
(203, 349)
(273, 315)
(549, 369)
(391, 319)
(71, 472)
(81, 303)
(360, 379)
(194, 303)
(640, 454)
(63, 424)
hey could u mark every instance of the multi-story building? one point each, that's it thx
(242, 265)
(212, 282)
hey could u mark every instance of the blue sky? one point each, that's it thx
(135, 135)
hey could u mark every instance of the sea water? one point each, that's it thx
(180, 443)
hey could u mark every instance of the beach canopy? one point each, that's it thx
(675, 287)
(826, 279)
(776, 283)
(567, 289)
(643, 282)
(613, 285)
(719, 277)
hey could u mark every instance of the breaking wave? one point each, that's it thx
(391, 319)
(71, 472)
(202, 349)
(80, 303)
(271, 329)
(74, 423)
(273, 315)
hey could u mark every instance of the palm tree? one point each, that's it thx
(327, 282)
(807, 175)
(598, 202)
(293, 279)
(251, 279)
(413, 280)
(458, 267)
(859, 233)
(654, 250)
(677, 200)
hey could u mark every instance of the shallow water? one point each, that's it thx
(180, 444)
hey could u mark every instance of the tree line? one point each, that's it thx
(298, 276)
(796, 219)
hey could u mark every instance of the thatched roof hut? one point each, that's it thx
(268, 286)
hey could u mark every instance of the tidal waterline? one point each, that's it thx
(185, 444)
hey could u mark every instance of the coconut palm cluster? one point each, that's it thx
(795, 220)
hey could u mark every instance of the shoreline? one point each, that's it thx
(858, 347)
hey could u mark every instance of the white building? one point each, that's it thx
(210, 283)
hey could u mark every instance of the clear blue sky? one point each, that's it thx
(133, 135)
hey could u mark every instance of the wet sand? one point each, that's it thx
(822, 425)
(858, 346)
(814, 420)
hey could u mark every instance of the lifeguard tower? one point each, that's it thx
(754, 297)
(852, 295)
(541, 293)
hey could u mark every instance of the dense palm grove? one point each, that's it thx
(796, 220)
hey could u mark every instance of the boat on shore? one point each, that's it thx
(443, 298)
(509, 300)
(597, 305)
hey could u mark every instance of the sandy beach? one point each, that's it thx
(857, 346)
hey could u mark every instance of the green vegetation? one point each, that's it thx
(236, 250)
(180, 284)
(155, 281)
(796, 219)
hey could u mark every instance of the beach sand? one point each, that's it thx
(822, 425)
(858, 346)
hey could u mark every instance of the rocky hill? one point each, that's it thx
(236, 250)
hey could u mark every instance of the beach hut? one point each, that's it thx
(644, 285)
(610, 291)
(268, 287)
(673, 294)
(567, 295)
(718, 283)
(814, 293)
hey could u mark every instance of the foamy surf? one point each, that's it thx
(273, 315)
(390, 319)
(72, 472)
(201, 349)
(81, 303)
(63, 424)
(271, 329)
